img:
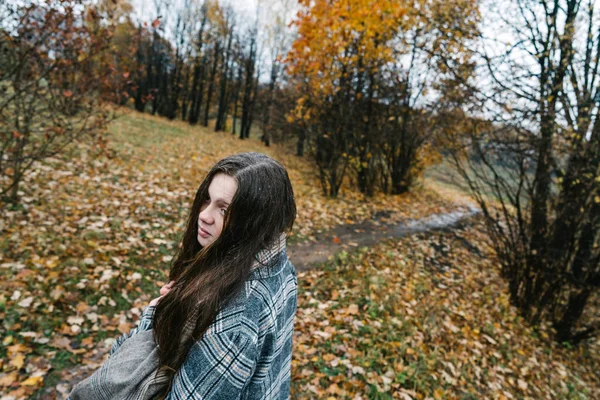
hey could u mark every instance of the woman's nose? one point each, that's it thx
(206, 217)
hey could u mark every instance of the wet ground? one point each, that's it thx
(346, 237)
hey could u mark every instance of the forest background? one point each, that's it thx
(382, 111)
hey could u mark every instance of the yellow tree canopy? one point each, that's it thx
(338, 39)
(335, 37)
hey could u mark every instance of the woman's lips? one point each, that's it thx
(203, 233)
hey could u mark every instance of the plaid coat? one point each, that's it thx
(247, 352)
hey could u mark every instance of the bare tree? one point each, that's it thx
(534, 170)
(278, 40)
(250, 85)
(50, 75)
(227, 67)
(199, 68)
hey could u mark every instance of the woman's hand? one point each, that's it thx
(163, 290)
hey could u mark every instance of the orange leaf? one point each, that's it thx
(8, 379)
(353, 309)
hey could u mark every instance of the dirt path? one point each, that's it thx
(304, 255)
(346, 237)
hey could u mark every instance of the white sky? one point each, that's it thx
(245, 12)
(246, 9)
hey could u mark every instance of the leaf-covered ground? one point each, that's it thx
(92, 240)
(422, 317)
(427, 317)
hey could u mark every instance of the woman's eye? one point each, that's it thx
(223, 210)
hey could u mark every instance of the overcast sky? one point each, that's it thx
(245, 8)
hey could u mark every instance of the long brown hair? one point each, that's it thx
(262, 208)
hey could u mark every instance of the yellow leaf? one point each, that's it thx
(33, 381)
(7, 340)
(52, 262)
(18, 360)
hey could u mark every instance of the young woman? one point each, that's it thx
(223, 325)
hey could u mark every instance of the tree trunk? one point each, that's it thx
(574, 310)
(223, 101)
(238, 87)
(300, 143)
(266, 139)
(248, 90)
(198, 76)
(211, 82)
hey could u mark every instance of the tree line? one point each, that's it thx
(200, 66)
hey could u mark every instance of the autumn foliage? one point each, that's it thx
(52, 68)
(370, 94)
(363, 69)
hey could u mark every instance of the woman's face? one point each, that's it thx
(212, 212)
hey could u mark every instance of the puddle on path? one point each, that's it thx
(304, 255)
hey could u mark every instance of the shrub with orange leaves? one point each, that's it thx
(51, 72)
(371, 74)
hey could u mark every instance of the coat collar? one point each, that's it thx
(269, 261)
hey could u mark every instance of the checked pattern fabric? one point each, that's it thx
(247, 352)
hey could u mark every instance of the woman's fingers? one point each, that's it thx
(166, 288)
(163, 290)
(155, 301)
